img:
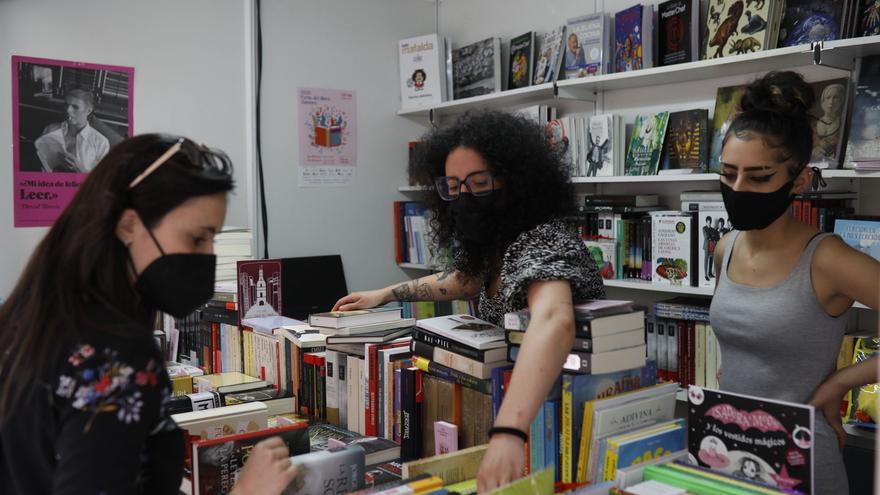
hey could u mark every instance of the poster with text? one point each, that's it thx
(65, 118)
(327, 137)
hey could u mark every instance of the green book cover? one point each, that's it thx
(646, 144)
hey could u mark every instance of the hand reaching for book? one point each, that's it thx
(503, 463)
(268, 470)
(360, 300)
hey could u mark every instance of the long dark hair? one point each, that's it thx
(516, 149)
(81, 258)
(776, 106)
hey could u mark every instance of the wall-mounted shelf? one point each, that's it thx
(645, 285)
(405, 189)
(842, 173)
(621, 179)
(417, 266)
(838, 54)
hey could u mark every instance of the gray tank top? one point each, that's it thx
(779, 343)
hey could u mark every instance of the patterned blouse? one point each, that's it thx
(97, 424)
(549, 251)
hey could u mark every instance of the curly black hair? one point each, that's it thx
(535, 176)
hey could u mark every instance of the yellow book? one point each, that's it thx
(614, 443)
(566, 467)
(425, 485)
(468, 487)
(453, 467)
(539, 483)
(586, 438)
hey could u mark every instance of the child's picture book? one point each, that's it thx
(756, 439)
(422, 71)
(646, 144)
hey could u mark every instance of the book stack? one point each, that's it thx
(230, 246)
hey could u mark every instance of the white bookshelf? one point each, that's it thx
(650, 286)
(417, 266)
(836, 55)
(406, 189)
(628, 179)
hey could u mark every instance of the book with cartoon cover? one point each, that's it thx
(646, 144)
(752, 438)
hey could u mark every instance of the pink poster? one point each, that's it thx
(327, 136)
(65, 117)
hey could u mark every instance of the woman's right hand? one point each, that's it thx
(361, 300)
(268, 469)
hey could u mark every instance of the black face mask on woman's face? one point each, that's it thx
(474, 218)
(753, 210)
(177, 283)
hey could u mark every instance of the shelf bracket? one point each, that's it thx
(431, 117)
(828, 58)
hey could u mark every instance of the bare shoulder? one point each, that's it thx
(721, 247)
(832, 252)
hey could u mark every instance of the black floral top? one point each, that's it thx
(100, 426)
(549, 251)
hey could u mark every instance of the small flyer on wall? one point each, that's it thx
(760, 440)
(327, 137)
(65, 118)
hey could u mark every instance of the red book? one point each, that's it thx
(216, 462)
(371, 406)
(398, 218)
(215, 346)
(318, 362)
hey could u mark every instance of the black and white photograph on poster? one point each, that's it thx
(69, 116)
(66, 117)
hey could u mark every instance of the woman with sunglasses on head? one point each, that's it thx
(780, 281)
(83, 385)
(501, 195)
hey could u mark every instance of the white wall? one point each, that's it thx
(350, 45)
(189, 79)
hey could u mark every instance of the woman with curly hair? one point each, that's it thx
(501, 195)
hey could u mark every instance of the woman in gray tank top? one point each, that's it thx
(784, 288)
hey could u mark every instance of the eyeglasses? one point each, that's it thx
(210, 159)
(480, 183)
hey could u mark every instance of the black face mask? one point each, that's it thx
(754, 211)
(177, 283)
(474, 218)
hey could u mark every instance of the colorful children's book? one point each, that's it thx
(756, 439)
(422, 71)
(548, 60)
(646, 144)
(633, 32)
(522, 60)
(643, 445)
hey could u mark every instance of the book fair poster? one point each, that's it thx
(327, 137)
(65, 118)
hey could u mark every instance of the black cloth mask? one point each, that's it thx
(753, 210)
(474, 218)
(177, 283)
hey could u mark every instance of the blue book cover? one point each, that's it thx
(863, 235)
(551, 436)
(653, 446)
(498, 388)
(536, 442)
(628, 39)
(590, 387)
(808, 21)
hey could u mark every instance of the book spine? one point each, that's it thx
(683, 365)
(410, 443)
(692, 352)
(321, 390)
(454, 376)
(450, 345)
(398, 395)
(332, 384)
(551, 436)
(567, 405)
(497, 385)
(610, 461)
(372, 382)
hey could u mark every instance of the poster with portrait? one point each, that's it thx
(65, 118)
(327, 130)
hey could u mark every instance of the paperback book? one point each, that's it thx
(673, 246)
(686, 147)
(829, 111)
(863, 235)
(678, 31)
(809, 21)
(864, 132)
(736, 30)
(585, 52)
(422, 71)
(646, 144)
(548, 56)
(339, 470)
(602, 145)
(756, 439)
(522, 60)
(476, 68)
(726, 108)
(633, 33)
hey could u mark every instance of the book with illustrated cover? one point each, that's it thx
(602, 145)
(829, 111)
(259, 288)
(659, 441)
(584, 51)
(222, 421)
(726, 108)
(547, 56)
(604, 254)
(752, 438)
(864, 132)
(808, 21)
(673, 248)
(422, 71)
(686, 147)
(868, 20)
(863, 235)
(646, 145)
(476, 68)
(678, 31)
(465, 329)
(339, 470)
(217, 462)
(633, 32)
(522, 60)
(735, 28)
(713, 223)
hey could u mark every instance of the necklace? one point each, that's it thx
(826, 134)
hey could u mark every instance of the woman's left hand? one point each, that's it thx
(827, 399)
(503, 463)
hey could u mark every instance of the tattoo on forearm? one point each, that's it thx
(443, 275)
(404, 292)
(424, 292)
(443, 291)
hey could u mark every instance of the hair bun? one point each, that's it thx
(783, 92)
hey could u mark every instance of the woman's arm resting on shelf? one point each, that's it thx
(546, 344)
(443, 286)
